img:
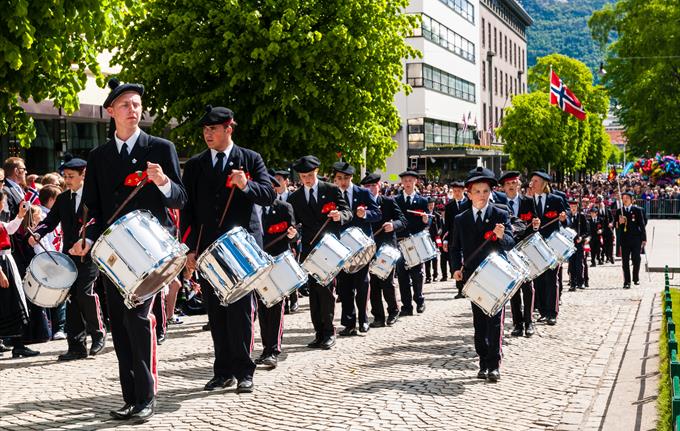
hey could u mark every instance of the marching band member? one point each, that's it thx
(282, 193)
(354, 287)
(478, 231)
(412, 205)
(633, 235)
(130, 150)
(314, 203)
(211, 177)
(83, 312)
(596, 228)
(276, 219)
(434, 226)
(457, 205)
(605, 214)
(519, 208)
(392, 221)
(578, 261)
(547, 207)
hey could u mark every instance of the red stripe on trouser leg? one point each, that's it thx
(253, 306)
(153, 364)
(557, 289)
(100, 321)
(280, 336)
(500, 339)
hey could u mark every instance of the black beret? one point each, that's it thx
(459, 184)
(274, 181)
(306, 164)
(343, 168)
(282, 172)
(117, 89)
(508, 176)
(541, 174)
(572, 201)
(217, 115)
(594, 209)
(74, 163)
(628, 193)
(480, 174)
(372, 178)
(431, 200)
(408, 173)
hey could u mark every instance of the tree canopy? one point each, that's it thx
(302, 76)
(46, 47)
(643, 70)
(540, 135)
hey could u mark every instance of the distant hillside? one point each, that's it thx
(561, 26)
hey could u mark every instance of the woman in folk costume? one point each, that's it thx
(14, 312)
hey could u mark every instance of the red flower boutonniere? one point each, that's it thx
(328, 207)
(278, 227)
(526, 216)
(248, 177)
(551, 214)
(490, 236)
(135, 178)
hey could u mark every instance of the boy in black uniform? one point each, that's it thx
(577, 261)
(633, 235)
(596, 228)
(457, 205)
(482, 222)
(435, 226)
(83, 312)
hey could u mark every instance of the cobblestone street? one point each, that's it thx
(418, 374)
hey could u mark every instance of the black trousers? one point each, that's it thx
(271, 327)
(577, 262)
(522, 305)
(431, 269)
(546, 285)
(159, 313)
(233, 334)
(83, 310)
(383, 289)
(134, 339)
(630, 250)
(488, 338)
(410, 285)
(595, 247)
(608, 247)
(353, 288)
(322, 307)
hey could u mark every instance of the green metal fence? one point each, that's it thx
(673, 356)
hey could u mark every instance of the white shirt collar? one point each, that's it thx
(350, 194)
(315, 187)
(412, 195)
(131, 141)
(484, 210)
(227, 153)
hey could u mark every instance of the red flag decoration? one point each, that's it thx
(229, 179)
(278, 228)
(135, 178)
(561, 96)
(328, 207)
(612, 174)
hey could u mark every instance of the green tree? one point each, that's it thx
(46, 47)
(643, 70)
(302, 76)
(539, 135)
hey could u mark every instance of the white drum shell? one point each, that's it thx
(417, 249)
(47, 284)
(537, 253)
(385, 260)
(493, 283)
(361, 246)
(285, 276)
(326, 259)
(561, 245)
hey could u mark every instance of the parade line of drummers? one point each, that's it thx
(250, 244)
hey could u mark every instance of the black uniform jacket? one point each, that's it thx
(414, 222)
(363, 197)
(276, 219)
(390, 212)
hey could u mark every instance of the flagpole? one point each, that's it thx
(550, 84)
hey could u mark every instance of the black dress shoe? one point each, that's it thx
(586, 284)
(4, 348)
(551, 321)
(316, 344)
(494, 376)
(98, 345)
(141, 414)
(347, 332)
(541, 319)
(481, 374)
(295, 307)
(444, 279)
(245, 386)
(529, 330)
(24, 352)
(405, 312)
(392, 319)
(459, 295)
(122, 413)
(572, 289)
(270, 361)
(72, 356)
(258, 361)
(206, 327)
(637, 283)
(286, 310)
(160, 339)
(428, 281)
(626, 286)
(377, 324)
(364, 327)
(420, 308)
(518, 331)
(327, 343)
(219, 382)
(582, 287)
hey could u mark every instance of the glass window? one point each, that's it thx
(448, 39)
(462, 7)
(439, 80)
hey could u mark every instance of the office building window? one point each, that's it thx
(424, 75)
(495, 80)
(448, 39)
(483, 115)
(483, 75)
(495, 41)
(483, 34)
(462, 7)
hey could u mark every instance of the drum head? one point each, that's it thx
(60, 275)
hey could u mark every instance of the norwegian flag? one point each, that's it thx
(561, 96)
(31, 195)
(465, 124)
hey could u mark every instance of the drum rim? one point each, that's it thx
(63, 296)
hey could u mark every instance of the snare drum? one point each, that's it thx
(139, 256)
(326, 259)
(46, 283)
(385, 260)
(537, 253)
(232, 264)
(417, 249)
(361, 246)
(517, 260)
(493, 283)
(284, 278)
(562, 245)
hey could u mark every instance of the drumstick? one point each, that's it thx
(42, 246)
(198, 242)
(377, 232)
(85, 210)
(134, 192)
(226, 207)
(419, 213)
(279, 238)
(320, 230)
